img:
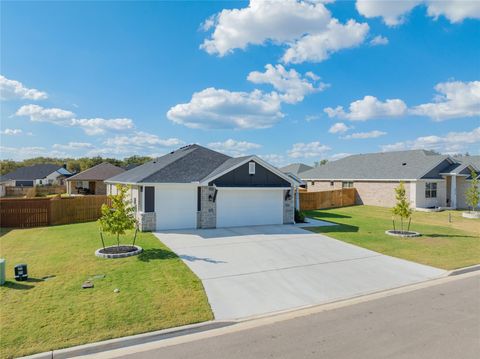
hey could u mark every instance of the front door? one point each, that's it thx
(91, 187)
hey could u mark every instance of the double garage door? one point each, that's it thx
(249, 207)
(176, 207)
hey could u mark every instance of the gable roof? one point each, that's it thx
(99, 172)
(295, 168)
(188, 164)
(474, 161)
(34, 172)
(396, 165)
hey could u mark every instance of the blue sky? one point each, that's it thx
(120, 78)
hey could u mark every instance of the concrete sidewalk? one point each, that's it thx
(250, 271)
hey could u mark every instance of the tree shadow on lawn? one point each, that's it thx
(436, 235)
(324, 215)
(339, 228)
(155, 253)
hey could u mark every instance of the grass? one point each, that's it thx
(443, 244)
(157, 290)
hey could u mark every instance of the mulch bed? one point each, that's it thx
(118, 249)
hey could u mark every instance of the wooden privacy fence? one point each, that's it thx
(327, 199)
(36, 212)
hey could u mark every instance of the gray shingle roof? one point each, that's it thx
(185, 165)
(296, 168)
(99, 172)
(384, 165)
(470, 160)
(33, 172)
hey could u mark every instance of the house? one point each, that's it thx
(195, 187)
(431, 180)
(36, 175)
(91, 181)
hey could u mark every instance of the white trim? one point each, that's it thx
(261, 162)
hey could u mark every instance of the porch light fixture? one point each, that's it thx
(288, 195)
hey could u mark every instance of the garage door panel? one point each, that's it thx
(238, 207)
(176, 208)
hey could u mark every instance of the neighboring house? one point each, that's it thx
(431, 180)
(91, 181)
(36, 175)
(195, 187)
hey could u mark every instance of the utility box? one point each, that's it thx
(21, 272)
(2, 271)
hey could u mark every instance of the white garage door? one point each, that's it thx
(176, 207)
(247, 207)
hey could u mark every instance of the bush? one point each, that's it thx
(299, 216)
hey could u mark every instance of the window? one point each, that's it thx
(149, 199)
(332, 183)
(312, 183)
(347, 184)
(430, 190)
(251, 168)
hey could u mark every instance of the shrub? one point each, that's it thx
(299, 216)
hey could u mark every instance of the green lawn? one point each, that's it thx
(443, 244)
(157, 290)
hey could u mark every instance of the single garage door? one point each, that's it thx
(248, 207)
(176, 207)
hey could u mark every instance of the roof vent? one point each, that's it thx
(404, 163)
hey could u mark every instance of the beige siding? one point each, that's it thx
(315, 186)
(423, 202)
(378, 193)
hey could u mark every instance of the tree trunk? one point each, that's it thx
(118, 240)
(101, 237)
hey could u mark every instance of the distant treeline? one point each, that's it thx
(73, 165)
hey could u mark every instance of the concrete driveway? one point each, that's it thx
(248, 271)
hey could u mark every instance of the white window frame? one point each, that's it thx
(431, 189)
(347, 184)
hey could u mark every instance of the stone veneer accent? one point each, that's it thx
(207, 216)
(289, 207)
(146, 221)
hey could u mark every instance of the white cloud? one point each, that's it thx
(20, 153)
(234, 148)
(11, 131)
(73, 146)
(367, 108)
(309, 118)
(364, 135)
(339, 127)
(40, 114)
(394, 12)
(290, 83)
(306, 27)
(274, 159)
(99, 126)
(454, 10)
(452, 142)
(307, 150)
(338, 156)
(12, 89)
(142, 139)
(319, 46)
(454, 99)
(379, 40)
(218, 108)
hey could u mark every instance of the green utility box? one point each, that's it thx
(2, 271)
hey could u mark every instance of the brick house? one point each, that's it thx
(431, 180)
(91, 181)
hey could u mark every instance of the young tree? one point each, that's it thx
(473, 192)
(120, 216)
(402, 208)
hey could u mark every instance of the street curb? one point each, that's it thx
(464, 270)
(138, 339)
